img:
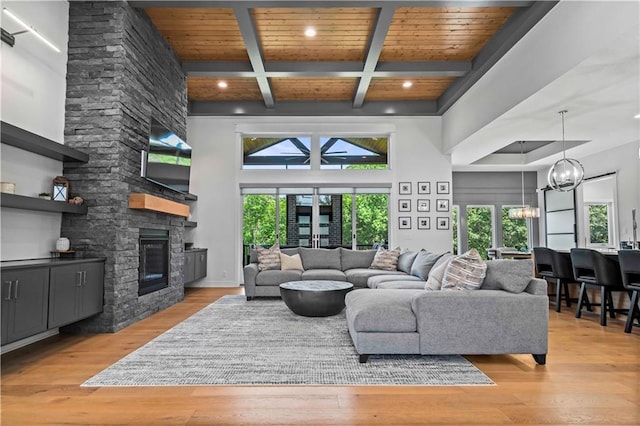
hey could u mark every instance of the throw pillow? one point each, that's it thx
(423, 263)
(268, 258)
(465, 272)
(508, 274)
(436, 275)
(406, 260)
(290, 262)
(387, 260)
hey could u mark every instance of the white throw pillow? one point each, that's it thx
(268, 258)
(387, 260)
(465, 272)
(288, 263)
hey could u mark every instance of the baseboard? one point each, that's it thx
(29, 340)
(204, 283)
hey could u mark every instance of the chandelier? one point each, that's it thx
(523, 212)
(566, 174)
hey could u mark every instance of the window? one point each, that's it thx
(454, 222)
(353, 153)
(515, 232)
(480, 228)
(598, 219)
(276, 153)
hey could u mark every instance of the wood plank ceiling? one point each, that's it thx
(360, 62)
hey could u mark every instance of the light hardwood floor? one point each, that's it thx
(592, 377)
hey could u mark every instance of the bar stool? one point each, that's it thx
(552, 265)
(592, 268)
(630, 269)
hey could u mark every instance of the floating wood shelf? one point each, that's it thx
(33, 203)
(20, 138)
(140, 201)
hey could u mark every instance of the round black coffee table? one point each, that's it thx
(318, 298)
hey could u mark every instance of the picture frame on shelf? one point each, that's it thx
(442, 205)
(423, 205)
(442, 223)
(424, 223)
(442, 187)
(404, 205)
(424, 187)
(404, 222)
(404, 188)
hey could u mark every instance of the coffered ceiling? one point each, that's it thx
(367, 57)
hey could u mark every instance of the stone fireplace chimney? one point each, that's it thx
(120, 74)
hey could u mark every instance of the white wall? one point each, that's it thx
(216, 176)
(33, 98)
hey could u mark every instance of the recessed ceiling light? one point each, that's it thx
(636, 116)
(310, 32)
(223, 84)
(407, 84)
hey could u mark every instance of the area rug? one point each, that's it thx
(261, 342)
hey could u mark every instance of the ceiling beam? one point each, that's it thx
(327, 3)
(249, 34)
(379, 34)
(511, 32)
(327, 69)
(311, 108)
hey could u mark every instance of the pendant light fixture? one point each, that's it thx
(523, 212)
(566, 174)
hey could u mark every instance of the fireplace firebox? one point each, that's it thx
(153, 269)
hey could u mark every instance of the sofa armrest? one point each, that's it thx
(250, 273)
(537, 286)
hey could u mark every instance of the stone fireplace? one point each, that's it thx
(120, 74)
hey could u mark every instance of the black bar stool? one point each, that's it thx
(630, 269)
(551, 265)
(592, 268)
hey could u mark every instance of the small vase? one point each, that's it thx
(62, 244)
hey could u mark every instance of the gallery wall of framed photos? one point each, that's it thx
(430, 198)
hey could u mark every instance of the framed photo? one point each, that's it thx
(442, 187)
(423, 205)
(442, 223)
(404, 205)
(442, 205)
(404, 188)
(404, 222)
(424, 187)
(424, 223)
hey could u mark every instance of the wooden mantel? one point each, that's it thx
(149, 202)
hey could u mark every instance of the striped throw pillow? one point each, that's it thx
(268, 258)
(387, 260)
(465, 272)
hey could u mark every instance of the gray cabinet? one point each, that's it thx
(195, 265)
(76, 292)
(25, 296)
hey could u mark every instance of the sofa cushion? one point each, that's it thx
(359, 276)
(376, 280)
(268, 258)
(507, 274)
(324, 274)
(290, 262)
(381, 310)
(407, 285)
(387, 260)
(436, 275)
(274, 277)
(352, 259)
(405, 260)
(465, 272)
(423, 263)
(319, 258)
(290, 251)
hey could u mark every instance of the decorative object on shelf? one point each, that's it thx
(442, 205)
(77, 200)
(634, 243)
(63, 244)
(404, 205)
(424, 223)
(424, 187)
(63, 254)
(404, 188)
(442, 223)
(8, 187)
(567, 173)
(60, 189)
(44, 195)
(423, 205)
(404, 222)
(442, 187)
(523, 212)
